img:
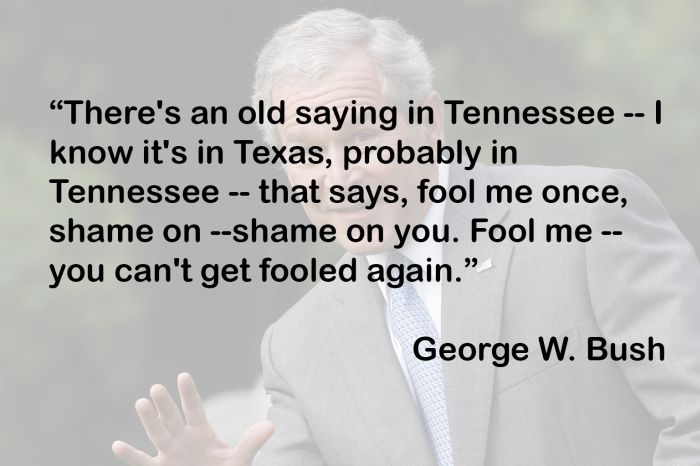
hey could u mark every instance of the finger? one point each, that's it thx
(131, 455)
(155, 429)
(167, 409)
(192, 404)
(252, 441)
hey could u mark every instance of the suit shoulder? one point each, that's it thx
(542, 175)
(308, 320)
(538, 177)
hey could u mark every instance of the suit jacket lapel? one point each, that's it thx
(471, 312)
(375, 377)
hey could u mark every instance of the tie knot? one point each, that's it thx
(397, 258)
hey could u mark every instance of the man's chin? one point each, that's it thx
(364, 248)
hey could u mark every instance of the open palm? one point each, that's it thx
(188, 441)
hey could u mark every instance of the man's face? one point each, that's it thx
(356, 78)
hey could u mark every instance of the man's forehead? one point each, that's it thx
(355, 78)
(332, 90)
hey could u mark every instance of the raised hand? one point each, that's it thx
(190, 441)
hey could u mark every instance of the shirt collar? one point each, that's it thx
(418, 253)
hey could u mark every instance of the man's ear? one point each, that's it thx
(436, 130)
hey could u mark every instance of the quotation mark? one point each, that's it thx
(56, 104)
(470, 262)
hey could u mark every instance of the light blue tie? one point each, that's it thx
(409, 321)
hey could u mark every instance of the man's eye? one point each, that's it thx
(364, 136)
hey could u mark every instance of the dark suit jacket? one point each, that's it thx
(339, 396)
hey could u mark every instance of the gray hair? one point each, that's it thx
(310, 47)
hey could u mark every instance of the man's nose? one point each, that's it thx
(336, 174)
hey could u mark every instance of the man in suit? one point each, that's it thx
(341, 367)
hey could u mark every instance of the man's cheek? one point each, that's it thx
(313, 215)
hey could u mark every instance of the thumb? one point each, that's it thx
(252, 441)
